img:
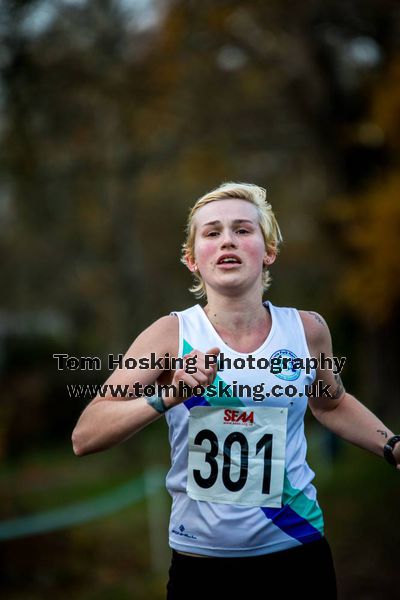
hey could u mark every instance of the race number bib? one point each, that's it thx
(237, 455)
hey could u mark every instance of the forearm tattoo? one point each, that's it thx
(339, 389)
(384, 433)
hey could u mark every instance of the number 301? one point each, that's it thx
(210, 458)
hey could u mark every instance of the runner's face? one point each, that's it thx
(229, 246)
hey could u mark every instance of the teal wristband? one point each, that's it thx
(157, 403)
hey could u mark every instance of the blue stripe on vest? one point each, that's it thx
(196, 401)
(292, 523)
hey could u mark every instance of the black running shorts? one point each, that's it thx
(305, 571)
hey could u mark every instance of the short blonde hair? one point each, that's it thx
(266, 218)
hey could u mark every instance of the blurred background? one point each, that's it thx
(115, 116)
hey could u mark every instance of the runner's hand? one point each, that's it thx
(203, 376)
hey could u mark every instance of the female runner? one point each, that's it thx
(245, 516)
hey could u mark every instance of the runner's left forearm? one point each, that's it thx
(354, 422)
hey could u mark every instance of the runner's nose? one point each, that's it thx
(227, 239)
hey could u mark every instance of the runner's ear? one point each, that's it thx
(190, 262)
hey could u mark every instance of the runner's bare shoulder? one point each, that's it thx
(315, 329)
(160, 337)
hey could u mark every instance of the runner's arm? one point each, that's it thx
(107, 421)
(342, 413)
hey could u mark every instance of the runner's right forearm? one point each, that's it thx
(105, 423)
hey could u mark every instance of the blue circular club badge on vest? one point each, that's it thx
(285, 366)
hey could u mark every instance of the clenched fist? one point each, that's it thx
(202, 376)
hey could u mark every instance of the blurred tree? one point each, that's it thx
(369, 230)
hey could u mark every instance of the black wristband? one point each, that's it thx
(388, 449)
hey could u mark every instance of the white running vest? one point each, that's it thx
(239, 480)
